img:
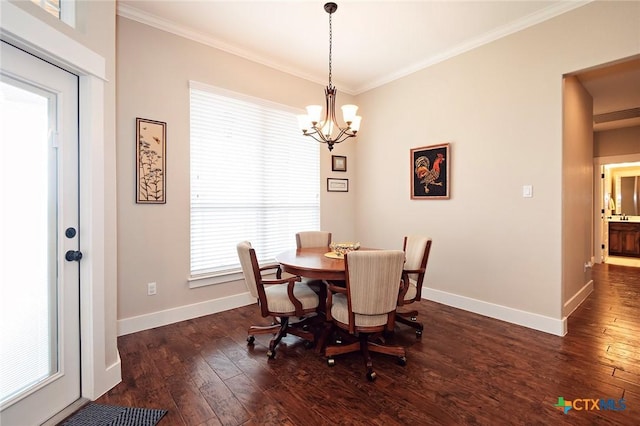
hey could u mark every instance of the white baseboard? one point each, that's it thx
(182, 313)
(112, 376)
(573, 303)
(515, 316)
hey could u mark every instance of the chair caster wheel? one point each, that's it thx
(331, 362)
(250, 340)
(402, 361)
(271, 354)
(308, 344)
(418, 333)
(371, 376)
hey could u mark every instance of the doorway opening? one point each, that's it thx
(618, 200)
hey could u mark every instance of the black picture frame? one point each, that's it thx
(430, 172)
(338, 163)
(337, 185)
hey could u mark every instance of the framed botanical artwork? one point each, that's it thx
(337, 185)
(430, 172)
(338, 163)
(151, 161)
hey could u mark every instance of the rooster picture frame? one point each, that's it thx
(430, 167)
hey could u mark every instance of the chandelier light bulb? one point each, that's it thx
(355, 124)
(349, 113)
(304, 123)
(314, 112)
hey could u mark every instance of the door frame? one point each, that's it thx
(97, 313)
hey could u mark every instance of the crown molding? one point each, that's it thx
(137, 15)
(552, 11)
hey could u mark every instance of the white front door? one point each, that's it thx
(39, 241)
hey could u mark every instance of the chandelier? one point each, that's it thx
(328, 130)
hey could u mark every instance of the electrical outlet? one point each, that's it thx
(151, 289)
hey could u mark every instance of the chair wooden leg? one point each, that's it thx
(303, 334)
(365, 346)
(333, 350)
(261, 329)
(282, 332)
(279, 330)
(326, 331)
(398, 351)
(410, 319)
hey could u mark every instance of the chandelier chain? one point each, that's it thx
(330, 46)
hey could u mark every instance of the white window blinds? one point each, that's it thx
(254, 177)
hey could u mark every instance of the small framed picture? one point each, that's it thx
(337, 185)
(338, 163)
(430, 167)
(151, 162)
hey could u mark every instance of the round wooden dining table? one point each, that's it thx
(312, 263)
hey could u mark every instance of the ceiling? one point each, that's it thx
(616, 94)
(293, 36)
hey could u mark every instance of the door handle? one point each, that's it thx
(73, 255)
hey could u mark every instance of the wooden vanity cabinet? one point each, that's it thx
(624, 239)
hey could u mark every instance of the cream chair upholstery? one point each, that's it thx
(307, 239)
(417, 251)
(368, 303)
(313, 239)
(277, 298)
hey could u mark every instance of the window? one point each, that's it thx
(51, 6)
(61, 9)
(254, 177)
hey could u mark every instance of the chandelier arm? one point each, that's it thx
(316, 138)
(346, 136)
(318, 135)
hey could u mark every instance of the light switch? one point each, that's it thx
(527, 191)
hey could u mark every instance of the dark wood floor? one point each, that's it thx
(466, 369)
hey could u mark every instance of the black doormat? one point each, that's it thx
(111, 415)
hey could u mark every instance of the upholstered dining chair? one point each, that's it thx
(307, 239)
(280, 299)
(366, 307)
(313, 239)
(417, 251)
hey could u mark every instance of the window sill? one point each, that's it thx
(213, 279)
(222, 277)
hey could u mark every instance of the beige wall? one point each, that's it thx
(154, 69)
(500, 106)
(617, 142)
(577, 195)
(97, 22)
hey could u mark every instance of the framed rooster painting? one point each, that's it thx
(430, 172)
